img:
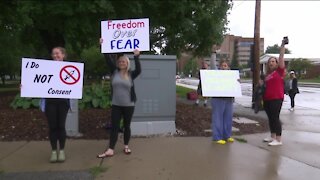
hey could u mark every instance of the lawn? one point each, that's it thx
(182, 91)
(9, 86)
(315, 80)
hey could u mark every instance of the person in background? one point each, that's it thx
(274, 94)
(123, 98)
(204, 65)
(56, 111)
(293, 88)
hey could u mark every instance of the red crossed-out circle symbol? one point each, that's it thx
(69, 74)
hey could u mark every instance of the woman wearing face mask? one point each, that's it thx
(56, 112)
(273, 96)
(123, 98)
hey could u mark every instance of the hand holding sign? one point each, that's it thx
(136, 52)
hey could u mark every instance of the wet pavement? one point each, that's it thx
(186, 158)
(173, 158)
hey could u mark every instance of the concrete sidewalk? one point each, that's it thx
(176, 158)
(169, 158)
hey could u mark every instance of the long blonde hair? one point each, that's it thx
(126, 75)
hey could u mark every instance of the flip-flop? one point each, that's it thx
(104, 155)
(127, 151)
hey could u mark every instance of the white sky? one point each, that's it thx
(299, 20)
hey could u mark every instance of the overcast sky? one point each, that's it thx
(299, 20)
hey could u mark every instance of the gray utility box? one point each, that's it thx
(72, 122)
(155, 109)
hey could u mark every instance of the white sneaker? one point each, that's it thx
(291, 109)
(267, 139)
(275, 143)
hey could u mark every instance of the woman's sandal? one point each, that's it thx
(104, 155)
(127, 151)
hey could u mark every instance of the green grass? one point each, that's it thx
(97, 170)
(182, 91)
(241, 140)
(315, 80)
(10, 86)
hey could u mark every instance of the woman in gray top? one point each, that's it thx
(123, 98)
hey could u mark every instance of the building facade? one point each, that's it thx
(238, 47)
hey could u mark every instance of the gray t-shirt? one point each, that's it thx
(121, 87)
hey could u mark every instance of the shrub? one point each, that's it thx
(93, 96)
(96, 96)
(25, 103)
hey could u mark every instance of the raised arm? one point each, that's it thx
(137, 64)
(281, 55)
(110, 59)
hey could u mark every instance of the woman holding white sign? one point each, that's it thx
(56, 112)
(123, 98)
(273, 95)
(222, 112)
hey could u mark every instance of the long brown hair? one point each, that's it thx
(268, 68)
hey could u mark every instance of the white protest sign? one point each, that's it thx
(125, 35)
(220, 83)
(51, 79)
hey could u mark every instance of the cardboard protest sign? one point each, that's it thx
(125, 35)
(51, 79)
(220, 83)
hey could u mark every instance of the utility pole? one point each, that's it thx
(256, 48)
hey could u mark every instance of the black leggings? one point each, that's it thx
(273, 108)
(118, 112)
(292, 95)
(56, 112)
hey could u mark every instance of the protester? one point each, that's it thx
(293, 88)
(123, 98)
(199, 90)
(222, 112)
(56, 112)
(273, 96)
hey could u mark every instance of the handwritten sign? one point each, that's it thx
(125, 35)
(42, 78)
(220, 83)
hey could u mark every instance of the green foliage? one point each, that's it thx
(190, 67)
(95, 62)
(96, 170)
(96, 96)
(275, 49)
(182, 91)
(299, 65)
(175, 26)
(24, 103)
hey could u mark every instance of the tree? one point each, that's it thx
(275, 49)
(190, 67)
(175, 26)
(234, 61)
(299, 65)
(95, 62)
